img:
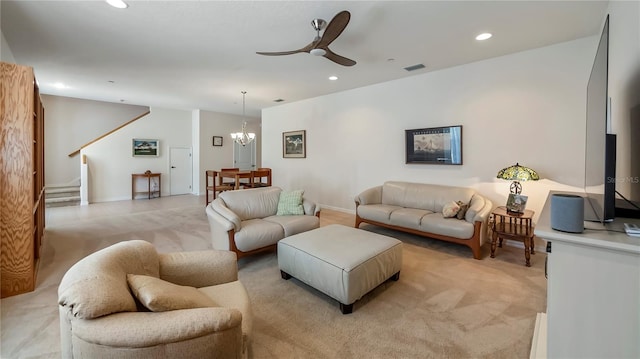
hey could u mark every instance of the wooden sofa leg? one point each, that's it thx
(477, 252)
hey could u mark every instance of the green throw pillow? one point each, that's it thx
(290, 203)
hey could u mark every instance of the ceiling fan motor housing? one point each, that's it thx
(317, 52)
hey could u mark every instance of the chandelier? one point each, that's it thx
(243, 138)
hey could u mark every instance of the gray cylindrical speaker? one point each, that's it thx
(567, 213)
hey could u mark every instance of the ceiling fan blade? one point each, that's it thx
(334, 29)
(280, 53)
(341, 60)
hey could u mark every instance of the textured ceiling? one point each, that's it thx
(201, 54)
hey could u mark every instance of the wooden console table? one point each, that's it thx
(149, 191)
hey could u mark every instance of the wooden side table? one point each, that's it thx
(516, 226)
(148, 175)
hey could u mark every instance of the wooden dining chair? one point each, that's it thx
(260, 178)
(228, 183)
(213, 186)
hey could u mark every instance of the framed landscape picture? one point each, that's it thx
(145, 147)
(436, 145)
(294, 144)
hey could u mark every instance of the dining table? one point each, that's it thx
(237, 177)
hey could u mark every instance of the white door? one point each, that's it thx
(180, 168)
(244, 157)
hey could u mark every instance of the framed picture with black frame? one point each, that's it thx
(217, 140)
(294, 144)
(435, 145)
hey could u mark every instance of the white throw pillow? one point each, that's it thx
(450, 209)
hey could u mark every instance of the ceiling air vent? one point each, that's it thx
(414, 67)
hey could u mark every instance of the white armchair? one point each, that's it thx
(100, 316)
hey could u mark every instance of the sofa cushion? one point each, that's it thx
(436, 223)
(377, 212)
(97, 284)
(408, 217)
(158, 295)
(233, 295)
(423, 196)
(290, 203)
(252, 203)
(295, 224)
(258, 233)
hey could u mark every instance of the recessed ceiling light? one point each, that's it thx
(333, 78)
(118, 4)
(484, 36)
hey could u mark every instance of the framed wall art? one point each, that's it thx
(217, 140)
(436, 145)
(294, 144)
(145, 148)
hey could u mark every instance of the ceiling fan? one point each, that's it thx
(320, 45)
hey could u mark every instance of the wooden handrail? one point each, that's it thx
(108, 133)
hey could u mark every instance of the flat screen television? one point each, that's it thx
(600, 149)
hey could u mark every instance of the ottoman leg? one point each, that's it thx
(346, 308)
(285, 275)
(395, 277)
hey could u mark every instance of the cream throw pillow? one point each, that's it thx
(450, 209)
(159, 295)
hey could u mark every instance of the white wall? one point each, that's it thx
(221, 124)
(5, 52)
(527, 107)
(111, 162)
(69, 124)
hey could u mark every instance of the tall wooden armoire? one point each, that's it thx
(21, 178)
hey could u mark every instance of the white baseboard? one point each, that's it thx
(539, 341)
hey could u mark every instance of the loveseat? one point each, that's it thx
(418, 208)
(253, 220)
(128, 301)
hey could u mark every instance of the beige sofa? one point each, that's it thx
(418, 208)
(247, 221)
(101, 318)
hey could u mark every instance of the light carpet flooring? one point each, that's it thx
(445, 305)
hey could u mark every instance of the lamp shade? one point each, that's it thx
(518, 173)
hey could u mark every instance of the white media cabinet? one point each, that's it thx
(593, 290)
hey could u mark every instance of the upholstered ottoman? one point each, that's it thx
(343, 262)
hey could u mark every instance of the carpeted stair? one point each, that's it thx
(61, 196)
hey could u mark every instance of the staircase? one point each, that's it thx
(62, 196)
